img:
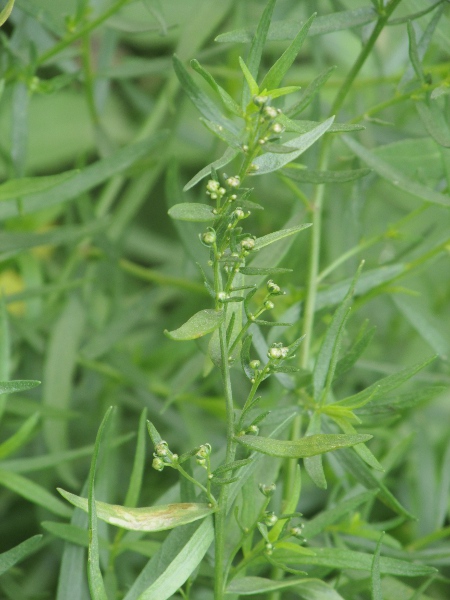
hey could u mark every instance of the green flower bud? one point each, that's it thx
(254, 364)
(267, 489)
(248, 244)
(209, 238)
(268, 305)
(234, 182)
(275, 353)
(158, 464)
(277, 128)
(162, 448)
(253, 430)
(204, 451)
(270, 112)
(270, 518)
(260, 100)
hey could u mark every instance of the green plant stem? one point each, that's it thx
(317, 208)
(67, 41)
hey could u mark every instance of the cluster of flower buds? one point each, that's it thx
(297, 531)
(214, 189)
(267, 489)
(277, 351)
(247, 244)
(163, 456)
(202, 455)
(274, 289)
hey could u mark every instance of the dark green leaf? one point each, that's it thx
(263, 270)
(11, 557)
(270, 238)
(413, 52)
(309, 93)
(16, 188)
(247, 586)
(8, 387)
(227, 100)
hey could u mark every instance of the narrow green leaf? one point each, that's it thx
(19, 385)
(361, 472)
(307, 126)
(85, 180)
(287, 30)
(315, 589)
(252, 85)
(257, 46)
(329, 516)
(152, 518)
(350, 358)
(309, 93)
(69, 533)
(203, 322)
(230, 154)
(11, 557)
(375, 573)
(383, 386)
(270, 238)
(95, 578)
(392, 405)
(16, 188)
(360, 449)
(4, 14)
(266, 163)
(227, 100)
(435, 122)
(395, 177)
(284, 91)
(263, 270)
(155, 9)
(413, 52)
(284, 63)
(307, 446)
(327, 357)
(179, 555)
(134, 487)
(201, 101)
(314, 464)
(192, 211)
(33, 492)
(340, 558)
(247, 586)
(19, 438)
(223, 134)
(317, 177)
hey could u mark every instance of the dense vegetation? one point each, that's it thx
(264, 284)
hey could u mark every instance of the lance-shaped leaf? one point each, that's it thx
(203, 322)
(252, 85)
(283, 64)
(9, 558)
(394, 176)
(228, 156)
(4, 14)
(266, 163)
(435, 122)
(151, 518)
(309, 93)
(307, 446)
(227, 100)
(226, 136)
(306, 126)
(19, 385)
(247, 586)
(201, 101)
(312, 176)
(15, 188)
(270, 238)
(192, 211)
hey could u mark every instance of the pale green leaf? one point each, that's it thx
(16, 188)
(229, 155)
(309, 93)
(20, 437)
(203, 322)
(287, 30)
(307, 446)
(4, 14)
(317, 177)
(270, 238)
(247, 586)
(152, 518)
(394, 176)
(19, 385)
(192, 211)
(227, 100)
(252, 85)
(435, 122)
(283, 64)
(11, 557)
(375, 573)
(269, 162)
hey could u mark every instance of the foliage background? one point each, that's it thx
(93, 270)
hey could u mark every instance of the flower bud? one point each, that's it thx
(269, 548)
(268, 305)
(296, 531)
(260, 100)
(270, 518)
(234, 182)
(267, 489)
(253, 430)
(158, 464)
(209, 238)
(270, 112)
(162, 448)
(254, 364)
(275, 353)
(277, 128)
(238, 214)
(204, 451)
(273, 288)
(248, 244)
(212, 186)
